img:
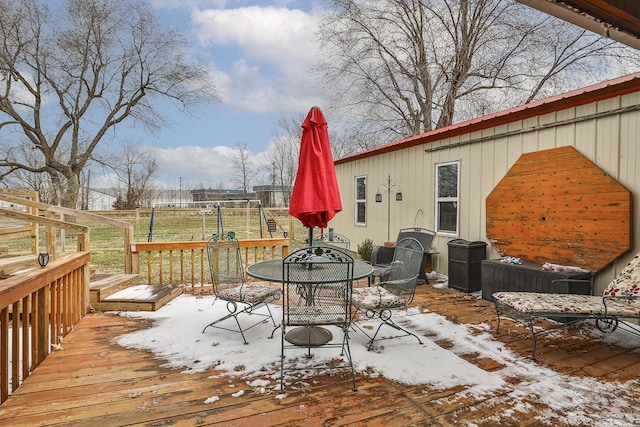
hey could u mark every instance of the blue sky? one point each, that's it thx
(259, 54)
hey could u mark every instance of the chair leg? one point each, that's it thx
(385, 318)
(533, 334)
(228, 316)
(271, 316)
(345, 352)
(345, 343)
(354, 324)
(274, 331)
(233, 312)
(282, 360)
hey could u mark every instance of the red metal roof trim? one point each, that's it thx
(597, 92)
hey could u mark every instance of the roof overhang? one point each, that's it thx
(618, 20)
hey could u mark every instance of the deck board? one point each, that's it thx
(93, 381)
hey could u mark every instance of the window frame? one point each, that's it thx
(358, 201)
(455, 200)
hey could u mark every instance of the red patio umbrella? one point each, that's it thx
(315, 199)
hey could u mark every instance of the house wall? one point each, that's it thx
(610, 141)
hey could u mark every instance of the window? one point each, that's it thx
(447, 180)
(361, 200)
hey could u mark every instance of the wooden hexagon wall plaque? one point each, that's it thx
(558, 206)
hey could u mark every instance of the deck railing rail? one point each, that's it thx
(185, 263)
(37, 309)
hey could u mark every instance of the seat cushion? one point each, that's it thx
(627, 282)
(375, 297)
(541, 303)
(250, 293)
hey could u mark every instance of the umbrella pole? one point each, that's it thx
(310, 236)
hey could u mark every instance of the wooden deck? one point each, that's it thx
(92, 382)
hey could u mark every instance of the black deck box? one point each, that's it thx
(498, 276)
(465, 259)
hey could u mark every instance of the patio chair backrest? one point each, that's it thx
(317, 287)
(332, 239)
(424, 236)
(225, 261)
(405, 269)
(627, 282)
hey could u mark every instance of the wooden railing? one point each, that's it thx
(54, 212)
(38, 308)
(185, 263)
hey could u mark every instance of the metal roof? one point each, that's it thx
(589, 94)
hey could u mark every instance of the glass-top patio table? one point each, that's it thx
(272, 271)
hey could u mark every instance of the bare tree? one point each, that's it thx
(283, 157)
(410, 66)
(285, 151)
(70, 76)
(135, 169)
(242, 165)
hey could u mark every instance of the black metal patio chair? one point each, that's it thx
(317, 285)
(332, 239)
(229, 285)
(395, 291)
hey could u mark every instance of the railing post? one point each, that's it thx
(135, 259)
(129, 267)
(42, 332)
(4, 354)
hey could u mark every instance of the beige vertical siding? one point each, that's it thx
(611, 142)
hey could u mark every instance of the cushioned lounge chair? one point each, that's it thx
(619, 301)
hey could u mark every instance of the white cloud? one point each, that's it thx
(268, 34)
(200, 165)
(106, 180)
(275, 50)
(180, 4)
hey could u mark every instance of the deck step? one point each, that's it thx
(11, 263)
(103, 285)
(145, 297)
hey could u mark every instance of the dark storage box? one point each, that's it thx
(498, 276)
(465, 264)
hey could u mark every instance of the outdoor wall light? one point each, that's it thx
(398, 197)
(43, 259)
(378, 198)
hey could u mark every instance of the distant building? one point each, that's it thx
(209, 194)
(273, 195)
(102, 199)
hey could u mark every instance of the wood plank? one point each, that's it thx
(43, 220)
(157, 296)
(11, 264)
(93, 381)
(558, 206)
